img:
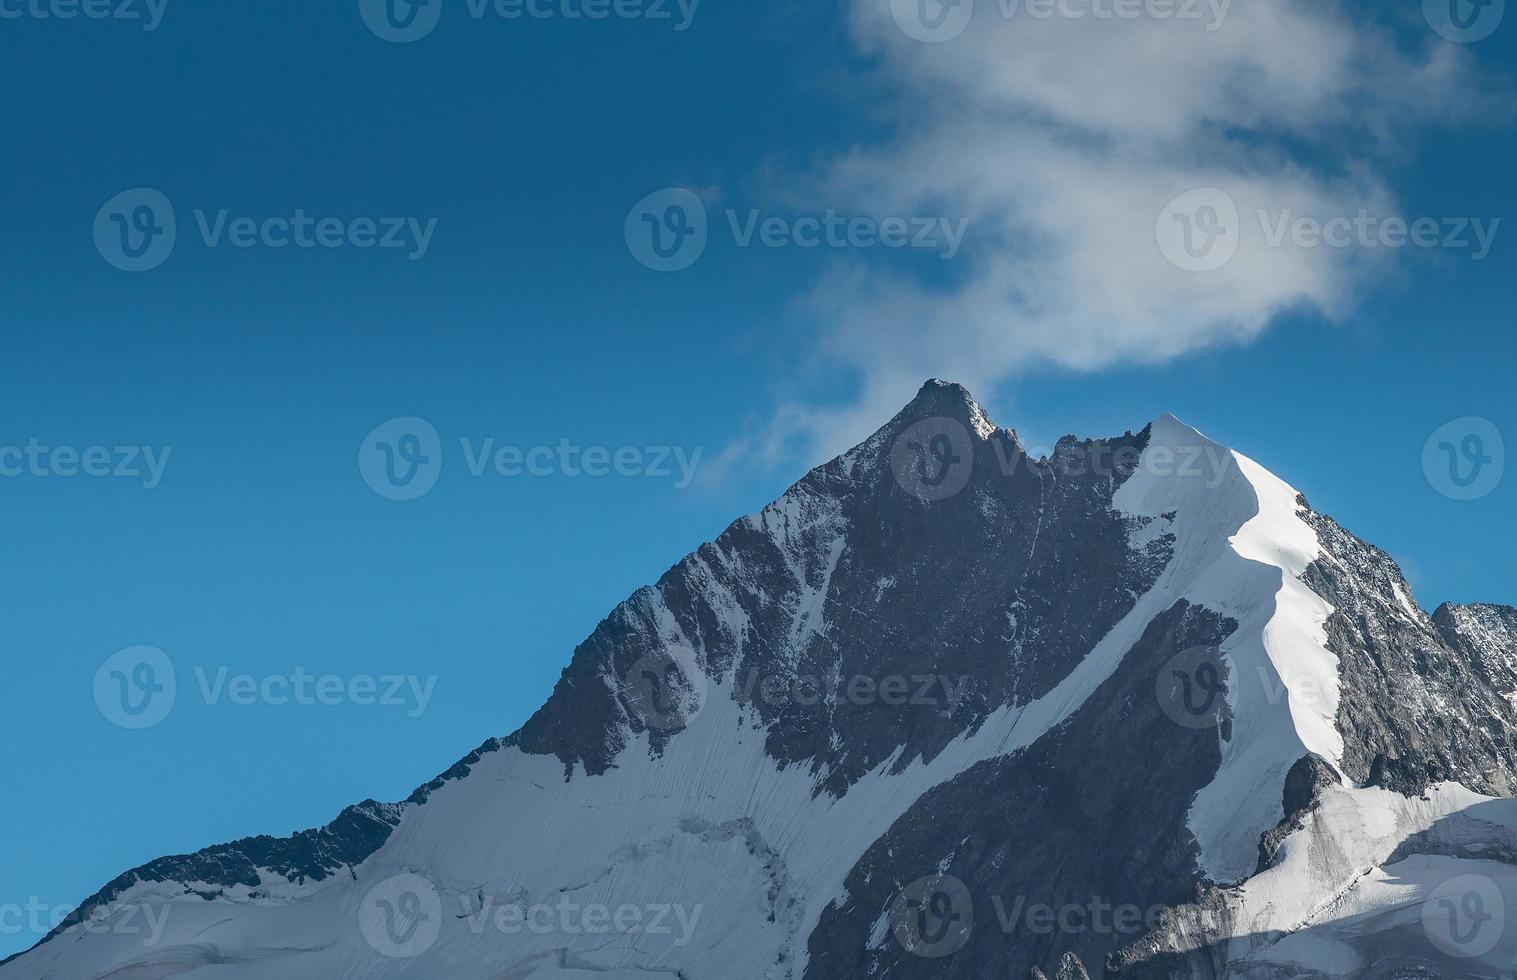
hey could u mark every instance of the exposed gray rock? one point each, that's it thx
(1421, 702)
(1488, 633)
(1303, 788)
(996, 592)
(1088, 815)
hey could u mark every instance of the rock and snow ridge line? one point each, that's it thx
(692, 803)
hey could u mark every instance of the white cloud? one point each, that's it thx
(1062, 139)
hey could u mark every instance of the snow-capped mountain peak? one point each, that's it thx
(938, 680)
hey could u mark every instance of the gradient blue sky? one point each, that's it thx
(529, 321)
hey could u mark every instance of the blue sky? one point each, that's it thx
(529, 321)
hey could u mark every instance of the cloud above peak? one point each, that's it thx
(1142, 178)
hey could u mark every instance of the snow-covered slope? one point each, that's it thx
(935, 682)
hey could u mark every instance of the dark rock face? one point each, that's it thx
(1303, 787)
(985, 597)
(1422, 700)
(1088, 818)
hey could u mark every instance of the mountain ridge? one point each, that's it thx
(1045, 591)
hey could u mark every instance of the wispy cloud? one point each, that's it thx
(1063, 138)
